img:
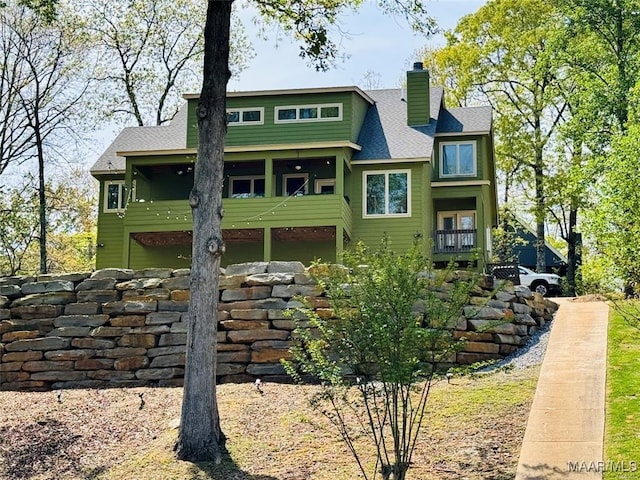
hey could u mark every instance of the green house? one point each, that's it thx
(307, 172)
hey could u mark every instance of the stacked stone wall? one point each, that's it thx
(118, 327)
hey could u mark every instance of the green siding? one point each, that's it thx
(418, 108)
(173, 256)
(401, 232)
(305, 252)
(241, 253)
(359, 111)
(110, 231)
(286, 133)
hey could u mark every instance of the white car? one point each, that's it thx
(543, 283)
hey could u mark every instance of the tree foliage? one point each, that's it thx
(379, 355)
(148, 54)
(48, 56)
(505, 53)
(71, 226)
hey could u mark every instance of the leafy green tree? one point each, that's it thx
(310, 21)
(612, 32)
(71, 226)
(18, 228)
(378, 357)
(615, 223)
(505, 54)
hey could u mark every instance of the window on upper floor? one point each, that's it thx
(245, 116)
(296, 184)
(114, 196)
(387, 193)
(325, 185)
(247, 187)
(458, 159)
(326, 112)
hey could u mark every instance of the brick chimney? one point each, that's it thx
(418, 107)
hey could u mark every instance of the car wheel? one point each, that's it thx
(541, 287)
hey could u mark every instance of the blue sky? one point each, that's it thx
(377, 43)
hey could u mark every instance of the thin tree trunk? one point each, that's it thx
(541, 263)
(574, 247)
(200, 437)
(42, 200)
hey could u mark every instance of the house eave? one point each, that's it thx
(248, 148)
(291, 91)
(391, 160)
(458, 134)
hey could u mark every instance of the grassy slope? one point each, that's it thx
(474, 432)
(622, 435)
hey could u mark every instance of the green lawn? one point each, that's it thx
(622, 430)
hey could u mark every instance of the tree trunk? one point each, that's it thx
(574, 248)
(541, 262)
(200, 437)
(42, 198)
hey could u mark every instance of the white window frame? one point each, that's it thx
(386, 173)
(240, 111)
(297, 108)
(473, 144)
(324, 182)
(287, 176)
(253, 178)
(122, 192)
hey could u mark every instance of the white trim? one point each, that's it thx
(287, 176)
(297, 108)
(290, 91)
(461, 183)
(245, 148)
(391, 161)
(457, 213)
(253, 178)
(461, 134)
(386, 174)
(474, 145)
(324, 182)
(121, 196)
(242, 122)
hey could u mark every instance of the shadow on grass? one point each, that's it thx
(226, 470)
(34, 448)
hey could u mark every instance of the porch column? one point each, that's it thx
(266, 244)
(339, 175)
(268, 177)
(339, 241)
(481, 232)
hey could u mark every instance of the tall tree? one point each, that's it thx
(311, 21)
(505, 52)
(149, 52)
(613, 31)
(48, 54)
(602, 49)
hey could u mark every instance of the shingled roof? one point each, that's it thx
(384, 133)
(164, 137)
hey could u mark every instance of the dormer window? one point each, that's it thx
(326, 112)
(458, 159)
(245, 116)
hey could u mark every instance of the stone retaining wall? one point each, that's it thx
(119, 327)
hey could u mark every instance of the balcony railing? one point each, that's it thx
(306, 210)
(455, 241)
